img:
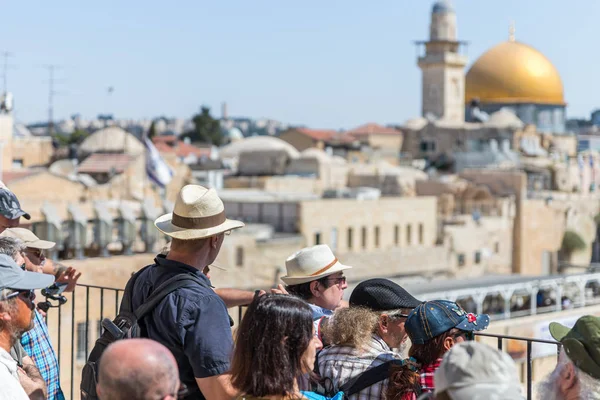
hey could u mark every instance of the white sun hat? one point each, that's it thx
(198, 213)
(311, 263)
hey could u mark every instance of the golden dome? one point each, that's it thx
(513, 72)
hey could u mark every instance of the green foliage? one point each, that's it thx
(152, 130)
(572, 242)
(76, 137)
(206, 128)
(597, 219)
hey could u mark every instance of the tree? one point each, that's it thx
(206, 128)
(572, 242)
(152, 130)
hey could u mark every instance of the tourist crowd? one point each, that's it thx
(300, 341)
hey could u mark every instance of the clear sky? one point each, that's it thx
(326, 64)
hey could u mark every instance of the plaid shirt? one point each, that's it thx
(342, 363)
(427, 372)
(36, 343)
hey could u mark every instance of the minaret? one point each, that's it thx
(443, 86)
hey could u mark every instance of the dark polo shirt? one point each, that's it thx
(192, 322)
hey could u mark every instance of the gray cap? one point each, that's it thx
(10, 206)
(13, 277)
(476, 371)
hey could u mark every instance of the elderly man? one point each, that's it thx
(138, 369)
(192, 322)
(24, 246)
(577, 374)
(10, 210)
(16, 317)
(367, 334)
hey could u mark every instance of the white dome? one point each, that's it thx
(112, 140)
(234, 133)
(504, 118)
(317, 154)
(258, 143)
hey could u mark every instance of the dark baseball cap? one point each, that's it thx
(10, 206)
(381, 295)
(581, 343)
(13, 277)
(432, 318)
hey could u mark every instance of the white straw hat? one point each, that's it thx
(310, 264)
(198, 213)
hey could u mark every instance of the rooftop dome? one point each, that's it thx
(258, 143)
(441, 7)
(234, 133)
(513, 72)
(504, 118)
(317, 154)
(112, 140)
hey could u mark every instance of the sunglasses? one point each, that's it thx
(35, 252)
(338, 281)
(28, 294)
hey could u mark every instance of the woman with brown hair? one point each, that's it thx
(275, 344)
(433, 328)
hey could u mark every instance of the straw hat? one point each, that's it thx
(198, 213)
(310, 264)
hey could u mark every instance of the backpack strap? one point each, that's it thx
(369, 378)
(170, 285)
(128, 292)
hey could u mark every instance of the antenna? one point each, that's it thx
(5, 66)
(51, 93)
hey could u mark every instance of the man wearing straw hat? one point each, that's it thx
(192, 322)
(316, 275)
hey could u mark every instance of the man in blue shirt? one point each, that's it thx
(192, 322)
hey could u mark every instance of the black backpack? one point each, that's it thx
(365, 379)
(126, 325)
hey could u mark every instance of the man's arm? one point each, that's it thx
(236, 297)
(217, 387)
(32, 380)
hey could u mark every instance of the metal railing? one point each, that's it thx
(75, 326)
(528, 359)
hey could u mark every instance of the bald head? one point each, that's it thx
(137, 369)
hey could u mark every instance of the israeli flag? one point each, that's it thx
(157, 169)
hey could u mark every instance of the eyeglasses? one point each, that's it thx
(338, 281)
(28, 294)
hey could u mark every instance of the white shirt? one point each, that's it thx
(10, 388)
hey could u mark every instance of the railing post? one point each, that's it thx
(529, 368)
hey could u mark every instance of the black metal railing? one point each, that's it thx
(528, 358)
(71, 328)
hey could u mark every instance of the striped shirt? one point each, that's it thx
(38, 346)
(339, 364)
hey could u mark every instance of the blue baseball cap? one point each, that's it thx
(432, 318)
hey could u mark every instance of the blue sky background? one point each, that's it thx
(326, 64)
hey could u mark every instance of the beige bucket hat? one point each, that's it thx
(29, 238)
(310, 264)
(198, 213)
